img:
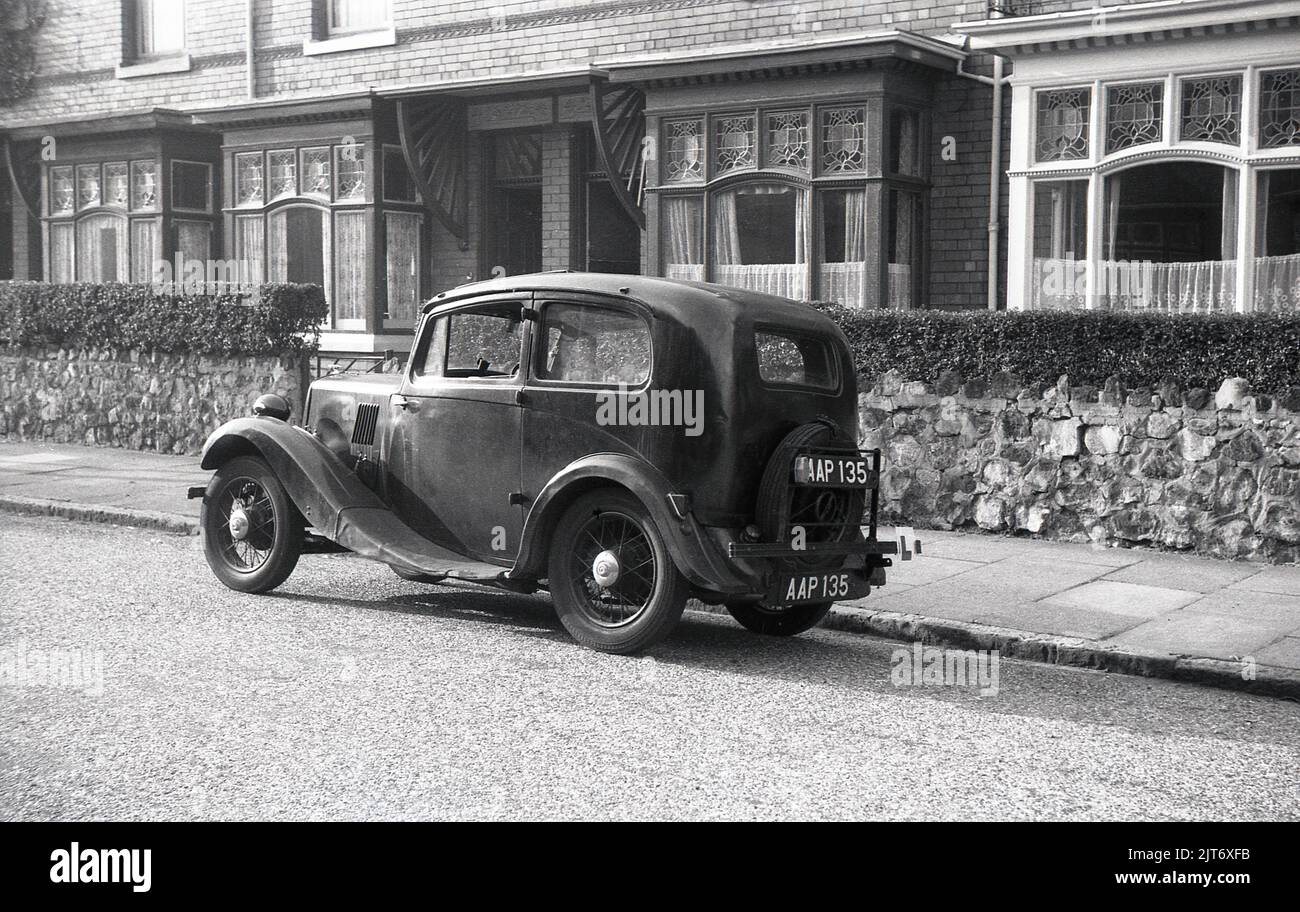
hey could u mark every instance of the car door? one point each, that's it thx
(454, 454)
(589, 355)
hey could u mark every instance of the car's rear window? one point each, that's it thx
(789, 359)
(588, 344)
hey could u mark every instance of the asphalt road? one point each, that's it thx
(354, 695)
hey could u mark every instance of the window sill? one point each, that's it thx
(378, 38)
(177, 63)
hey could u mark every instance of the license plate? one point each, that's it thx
(833, 471)
(790, 589)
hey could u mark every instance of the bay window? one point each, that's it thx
(788, 201)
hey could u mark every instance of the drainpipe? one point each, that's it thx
(997, 81)
(248, 49)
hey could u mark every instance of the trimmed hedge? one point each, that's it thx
(1193, 350)
(270, 319)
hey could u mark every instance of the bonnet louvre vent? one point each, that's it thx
(363, 432)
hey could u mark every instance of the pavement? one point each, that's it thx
(1226, 623)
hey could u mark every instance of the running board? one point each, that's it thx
(379, 535)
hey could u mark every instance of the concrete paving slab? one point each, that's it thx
(972, 547)
(1186, 633)
(1232, 604)
(1180, 572)
(927, 569)
(1280, 580)
(1065, 620)
(1285, 653)
(1128, 599)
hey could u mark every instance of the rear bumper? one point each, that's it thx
(868, 548)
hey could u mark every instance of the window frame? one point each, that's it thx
(797, 335)
(335, 31)
(428, 333)
(136, 9)
(538, 353)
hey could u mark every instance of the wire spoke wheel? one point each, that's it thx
(252, 533)
(613, 581)
(622, 596)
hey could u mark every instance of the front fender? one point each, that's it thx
(697, 559)
(316, 481)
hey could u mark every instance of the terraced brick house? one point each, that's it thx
(924, 153)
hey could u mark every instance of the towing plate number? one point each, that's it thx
(833, 471)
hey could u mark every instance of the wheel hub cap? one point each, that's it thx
(605, 569)
(239, 524)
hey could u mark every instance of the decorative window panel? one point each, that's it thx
(403, 266)
(191, 186)
(1212, 110)
(117, 185)
(250, 247)
(63, 194)
(684, 157)
(351, 266)
(102, 249)
(1279, 115)
(250, 189)
(283, 167)
(351, 172)
(61, 256)
(145, 249)
(735, 144)
(89, 192)
(518, 156)
(144, 184)
(1134, 115)
(787, 140)
(843, 140)
(193, 242)
(1063, 124)
(316, 172)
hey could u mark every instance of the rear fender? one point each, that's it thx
(696, 557)
(318, 483)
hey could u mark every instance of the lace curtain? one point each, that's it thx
(789, 280)
(684, 256)
(846, 282)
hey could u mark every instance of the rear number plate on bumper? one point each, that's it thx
(833, 472)
(793, 588)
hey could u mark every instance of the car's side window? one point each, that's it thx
(482, 342)
(790, 360)
(588, 344)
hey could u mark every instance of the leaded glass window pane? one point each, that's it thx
(144, 184)
(843, 140)
(351, 172)
(1279, 120)
(250, 187)
(1063, 124)
(787, 140)
(88, 188)
(117, 188)
(1212, 110)
(316, 174)
(736, 143)
(283, 166)
(1134, 115)
(62, 194)
(684, 140)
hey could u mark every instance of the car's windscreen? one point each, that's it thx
(586, 344)
(787, 359)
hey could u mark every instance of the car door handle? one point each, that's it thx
(406, 403)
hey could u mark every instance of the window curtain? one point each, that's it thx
(351, 265)
(788, 279)
(1231, 182)
(903, 254)
(144, 249)
(102, 249)
(846, 282)
(684, 252)
(61, 265)
(403, 266)
(350, 15)
(250, 247)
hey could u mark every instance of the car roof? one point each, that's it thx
(691, 302)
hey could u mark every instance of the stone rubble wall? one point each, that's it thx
(1212, 472)
(158, 401)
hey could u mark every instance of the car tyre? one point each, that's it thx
(612, 578)
(785, 622)
(258, 552)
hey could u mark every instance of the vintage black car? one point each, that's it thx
(626, 443)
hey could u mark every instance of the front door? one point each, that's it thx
(454, 453)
